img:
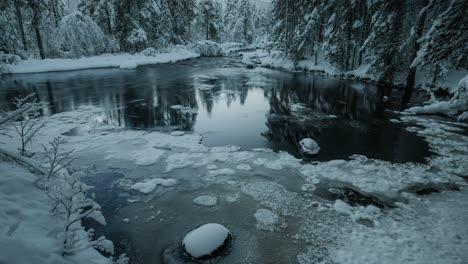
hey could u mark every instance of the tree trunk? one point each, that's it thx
(108, 20)
(38, 36)
(54, 10)
(419, 28)
(19, 16)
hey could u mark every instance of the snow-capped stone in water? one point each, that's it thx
(207, 241)
(309, 146)
(177, 133)
(206, 200)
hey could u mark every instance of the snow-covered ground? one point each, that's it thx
(29, 231)
(457, 106)
(410, 233)
(123, 61)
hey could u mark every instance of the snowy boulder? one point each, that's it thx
(128, 65)
(309, 146)
(207, 242)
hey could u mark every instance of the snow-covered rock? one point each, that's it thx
(309, 146)
(206, 200)
(205, 240)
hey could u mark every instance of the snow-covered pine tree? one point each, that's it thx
(101, 11)
(81, 36)
(447, 39)
(384, 38)
(210, 19)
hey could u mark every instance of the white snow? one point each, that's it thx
(29, 231)
(128, 65)
(309, 146)
(206, 200)
(149, 186)
(205, 239)
(177, 133)
(124, 61)
(457, 106)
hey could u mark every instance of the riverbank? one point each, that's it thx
(30, 232)
(122, 61)
(275, 60)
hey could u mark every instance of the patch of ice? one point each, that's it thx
(206, 200)
(224, 171)
(149, 186)
(266, 220)
(245, 167)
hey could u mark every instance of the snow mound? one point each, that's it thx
(309, 146)
(205, 240)
(128, 65)
(149, 186)
(206, 200)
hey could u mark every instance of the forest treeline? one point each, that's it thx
(394, 37)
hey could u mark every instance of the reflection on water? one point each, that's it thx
(231, 105)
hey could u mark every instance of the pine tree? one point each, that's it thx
(447, 38)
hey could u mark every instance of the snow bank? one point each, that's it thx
(124, 61)
(29, 232)
(275, 59)
(457, 106)
(205, 240)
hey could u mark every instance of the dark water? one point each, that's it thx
(238, 106)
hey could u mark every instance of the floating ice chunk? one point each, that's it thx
(260, 161)
(206, 200)
(126, 220)
(128, 65)
(266, 219)
(245, 167)
(309, 146)
(203, 241)
(177, 133)
(147, 156)
(266, 150)
(212, 167)
(224, 171)
(149, 185)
